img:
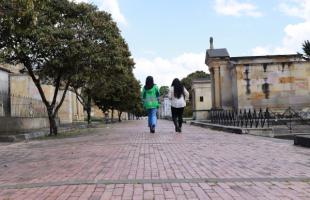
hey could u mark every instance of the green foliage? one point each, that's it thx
(163, 90)
(45, 37)
(306, 48)
(187, 81)
(188, 110)
(66, 44)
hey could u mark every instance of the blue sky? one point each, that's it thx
(168, 38)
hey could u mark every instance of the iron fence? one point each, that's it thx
(293, 120)
(241, 118)
(290, 120)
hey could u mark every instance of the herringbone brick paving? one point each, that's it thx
(125, 161)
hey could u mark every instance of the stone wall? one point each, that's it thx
(71, 109)
(22, 85)
(12, 125)
(254, 82)
(274, 85)
(201, 98)
(4, 81)
(4, 92)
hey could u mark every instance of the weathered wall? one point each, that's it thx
(226, 87)
(9, 125)
(200, 107)
(71, 109)
(97, 113)
(4, 91)
(65, 112)
(77, 108)
(234, 88)
(22, 85)
(4, 81)
(274, 85)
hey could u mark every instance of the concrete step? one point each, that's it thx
(302, 140)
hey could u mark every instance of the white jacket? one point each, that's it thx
(178, 102)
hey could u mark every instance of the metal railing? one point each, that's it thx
(293, 120)
(248, 118)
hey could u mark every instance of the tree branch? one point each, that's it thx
(62, 98)
(56, 89)
(36, 81)
(79, 97)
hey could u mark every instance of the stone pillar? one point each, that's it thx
(212, 88)
(217, 88)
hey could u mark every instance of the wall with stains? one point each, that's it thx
(273, 84)
(226, 87)
(201, 99)
(23, 86)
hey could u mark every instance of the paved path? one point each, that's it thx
(125, 161)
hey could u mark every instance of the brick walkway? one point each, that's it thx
(125, 161)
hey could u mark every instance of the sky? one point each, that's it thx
(168, 38)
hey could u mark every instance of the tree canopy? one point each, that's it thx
(163, 90)
(187, 81)
(66, 44)
(306, 49)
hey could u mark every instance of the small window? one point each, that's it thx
(201, 98)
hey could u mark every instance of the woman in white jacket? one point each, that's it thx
(178, 96)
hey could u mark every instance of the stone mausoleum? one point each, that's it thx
(254, 82)
(201, 98)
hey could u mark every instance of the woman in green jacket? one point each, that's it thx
(150, 96)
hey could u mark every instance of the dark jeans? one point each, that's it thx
(177, 114)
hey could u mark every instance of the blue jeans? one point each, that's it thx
(152, 118)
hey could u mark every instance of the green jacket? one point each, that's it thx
(150, 97)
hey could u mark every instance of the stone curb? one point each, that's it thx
(155, 181)
(38, 133)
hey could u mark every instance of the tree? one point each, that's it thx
(119, 90)
(187, 81)
(49, 39)
(306, 49)
(102, 59)
(163, 90)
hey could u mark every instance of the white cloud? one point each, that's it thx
(295, 34)
(261, 50)
(236, 8)
(296, 8)
(165, 70)
(112, 7)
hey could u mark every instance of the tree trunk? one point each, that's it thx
(88, 115)
(52, 121)
(119, 116)
(88, 109)
(112, 115)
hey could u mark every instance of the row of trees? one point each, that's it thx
(70, 46)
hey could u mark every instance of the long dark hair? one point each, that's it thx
(178, 88)
(149, 83)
